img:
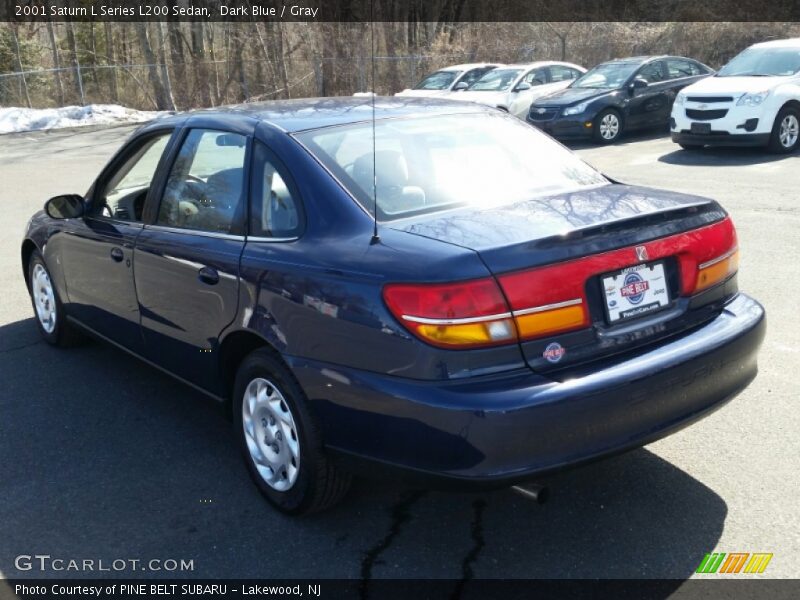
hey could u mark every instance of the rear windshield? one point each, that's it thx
(430, 164)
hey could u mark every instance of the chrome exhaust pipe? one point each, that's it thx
(533, 491)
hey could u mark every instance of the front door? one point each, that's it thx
(650, 105)
(97, 251)
(187, 260)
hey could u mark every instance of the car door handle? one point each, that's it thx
(117, 254)
(208, 275)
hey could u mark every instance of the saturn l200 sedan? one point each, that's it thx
(481, 309)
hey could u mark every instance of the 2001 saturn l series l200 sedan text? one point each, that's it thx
(516, 313)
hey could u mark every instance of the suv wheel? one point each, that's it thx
(786, 131)
(279, 439)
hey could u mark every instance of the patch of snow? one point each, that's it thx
(15, 119)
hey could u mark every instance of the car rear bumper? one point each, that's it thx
(504, 429)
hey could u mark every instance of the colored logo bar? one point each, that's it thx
(734, 562)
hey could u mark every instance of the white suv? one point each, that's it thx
(754, 100)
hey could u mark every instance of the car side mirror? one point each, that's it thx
(67, 206)
(461, 85)
(638, 84)
(522, 86)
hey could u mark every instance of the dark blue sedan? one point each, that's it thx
(445, 293)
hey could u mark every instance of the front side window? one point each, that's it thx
(431, 164)
(763, 62)
(205, 187)
(473, 75)
(441, 80)
(275, 210)
(535, 77)
(124, 192)
(498, 80)
(651, 73)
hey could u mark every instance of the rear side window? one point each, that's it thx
(562, 73)
(678, 68)
(275, 210)
(205, 188)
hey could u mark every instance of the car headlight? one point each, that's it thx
(752, 99)
(680, 98)
(577, 109)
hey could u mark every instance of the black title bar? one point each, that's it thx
(400, 10)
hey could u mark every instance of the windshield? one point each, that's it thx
(763, 62)
(606, 76)
(498, 80)
(430, 164)
(441, 80)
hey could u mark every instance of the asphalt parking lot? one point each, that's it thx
(102, 457)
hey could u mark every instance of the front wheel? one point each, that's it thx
(47, 306)
(280, 441)
(785, 134)
(608, 127)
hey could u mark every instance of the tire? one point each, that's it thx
(690, 146)
(48, 311)
(785, 136)
(608, 126)
(279, 439)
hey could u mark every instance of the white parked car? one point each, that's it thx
(514, 87)
(754, 100)
(449, 79)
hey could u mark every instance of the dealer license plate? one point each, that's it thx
(635, 291)
(700, 128)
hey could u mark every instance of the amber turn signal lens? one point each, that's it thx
(717, 270)
(549, 321)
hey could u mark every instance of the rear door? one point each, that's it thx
(187, 256)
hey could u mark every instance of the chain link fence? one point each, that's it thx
(213, 83)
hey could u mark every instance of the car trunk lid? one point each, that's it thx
(594, 272)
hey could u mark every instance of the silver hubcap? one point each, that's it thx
(44, 299)
(609, 126)
(271, 434)
(790, 129)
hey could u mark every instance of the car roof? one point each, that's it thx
(787, 43)
(467, 66)
(313, 113)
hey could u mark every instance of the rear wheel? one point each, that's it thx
(785, 135)
(47, 306)
(280, 441)
(608, 126)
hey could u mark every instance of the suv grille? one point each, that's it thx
(709, 99)
(548, 114)
(706, 115)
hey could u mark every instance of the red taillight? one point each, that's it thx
(465, 314)
(548, 300)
